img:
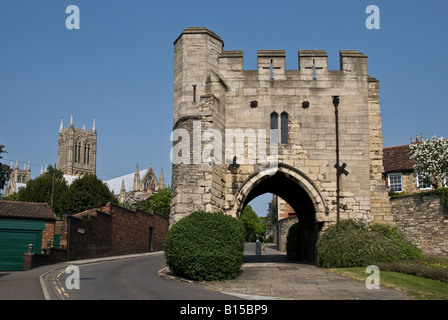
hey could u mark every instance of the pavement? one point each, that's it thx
(269, 276)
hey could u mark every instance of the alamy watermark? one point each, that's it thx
(73, 20)
(373, 20)
(373, 280)
(72, 281)
(236, 147)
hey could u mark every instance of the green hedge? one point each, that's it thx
(408, 251)
(205, 246)
(434, 268)
(353, 244)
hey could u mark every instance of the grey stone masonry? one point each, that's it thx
(424, 221)
(212, 92)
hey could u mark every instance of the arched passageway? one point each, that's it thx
(300, 193)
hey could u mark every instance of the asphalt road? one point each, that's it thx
(124, 279)
(128, 279)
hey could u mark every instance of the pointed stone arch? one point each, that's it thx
(248, 192)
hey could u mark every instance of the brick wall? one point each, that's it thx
(112, 230)
(89, 235)
(424, 220)
(48, 233)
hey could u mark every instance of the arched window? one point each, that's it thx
(284, 128)
(274, 120)
(76, 151)
(274, 126)
(88, 153)
(85, 152)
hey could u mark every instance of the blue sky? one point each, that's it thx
(118, 67)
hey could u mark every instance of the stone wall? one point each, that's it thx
(379, 202)
(424, 220)
(282, 229)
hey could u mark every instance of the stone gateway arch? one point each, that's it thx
(311, 136)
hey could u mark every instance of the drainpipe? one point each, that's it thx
(338, 174)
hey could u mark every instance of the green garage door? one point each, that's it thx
(15, 235)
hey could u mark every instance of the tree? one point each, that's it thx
(11, 197)
(272, 215)
(253, 224)
(41, 188)
(431, 160)
(4, 170)
(86, 193)
(158, 202)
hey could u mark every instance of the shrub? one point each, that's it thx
(409, 251)
(353, 244)
(293, 246)
(205, 246)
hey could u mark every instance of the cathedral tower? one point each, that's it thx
(18, 178)
(77, 149)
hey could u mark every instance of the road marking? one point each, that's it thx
(59, 287)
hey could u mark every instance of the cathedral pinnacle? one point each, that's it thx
(162, 180)
(136, 186)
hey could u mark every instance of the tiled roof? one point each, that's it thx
(397, 159)
(25, 210)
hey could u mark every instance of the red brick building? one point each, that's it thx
(111, 230)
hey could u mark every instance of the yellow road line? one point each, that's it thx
(59, 287)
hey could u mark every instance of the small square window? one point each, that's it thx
(421, 183)
(395, 182)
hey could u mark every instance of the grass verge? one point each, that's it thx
(416, 287)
